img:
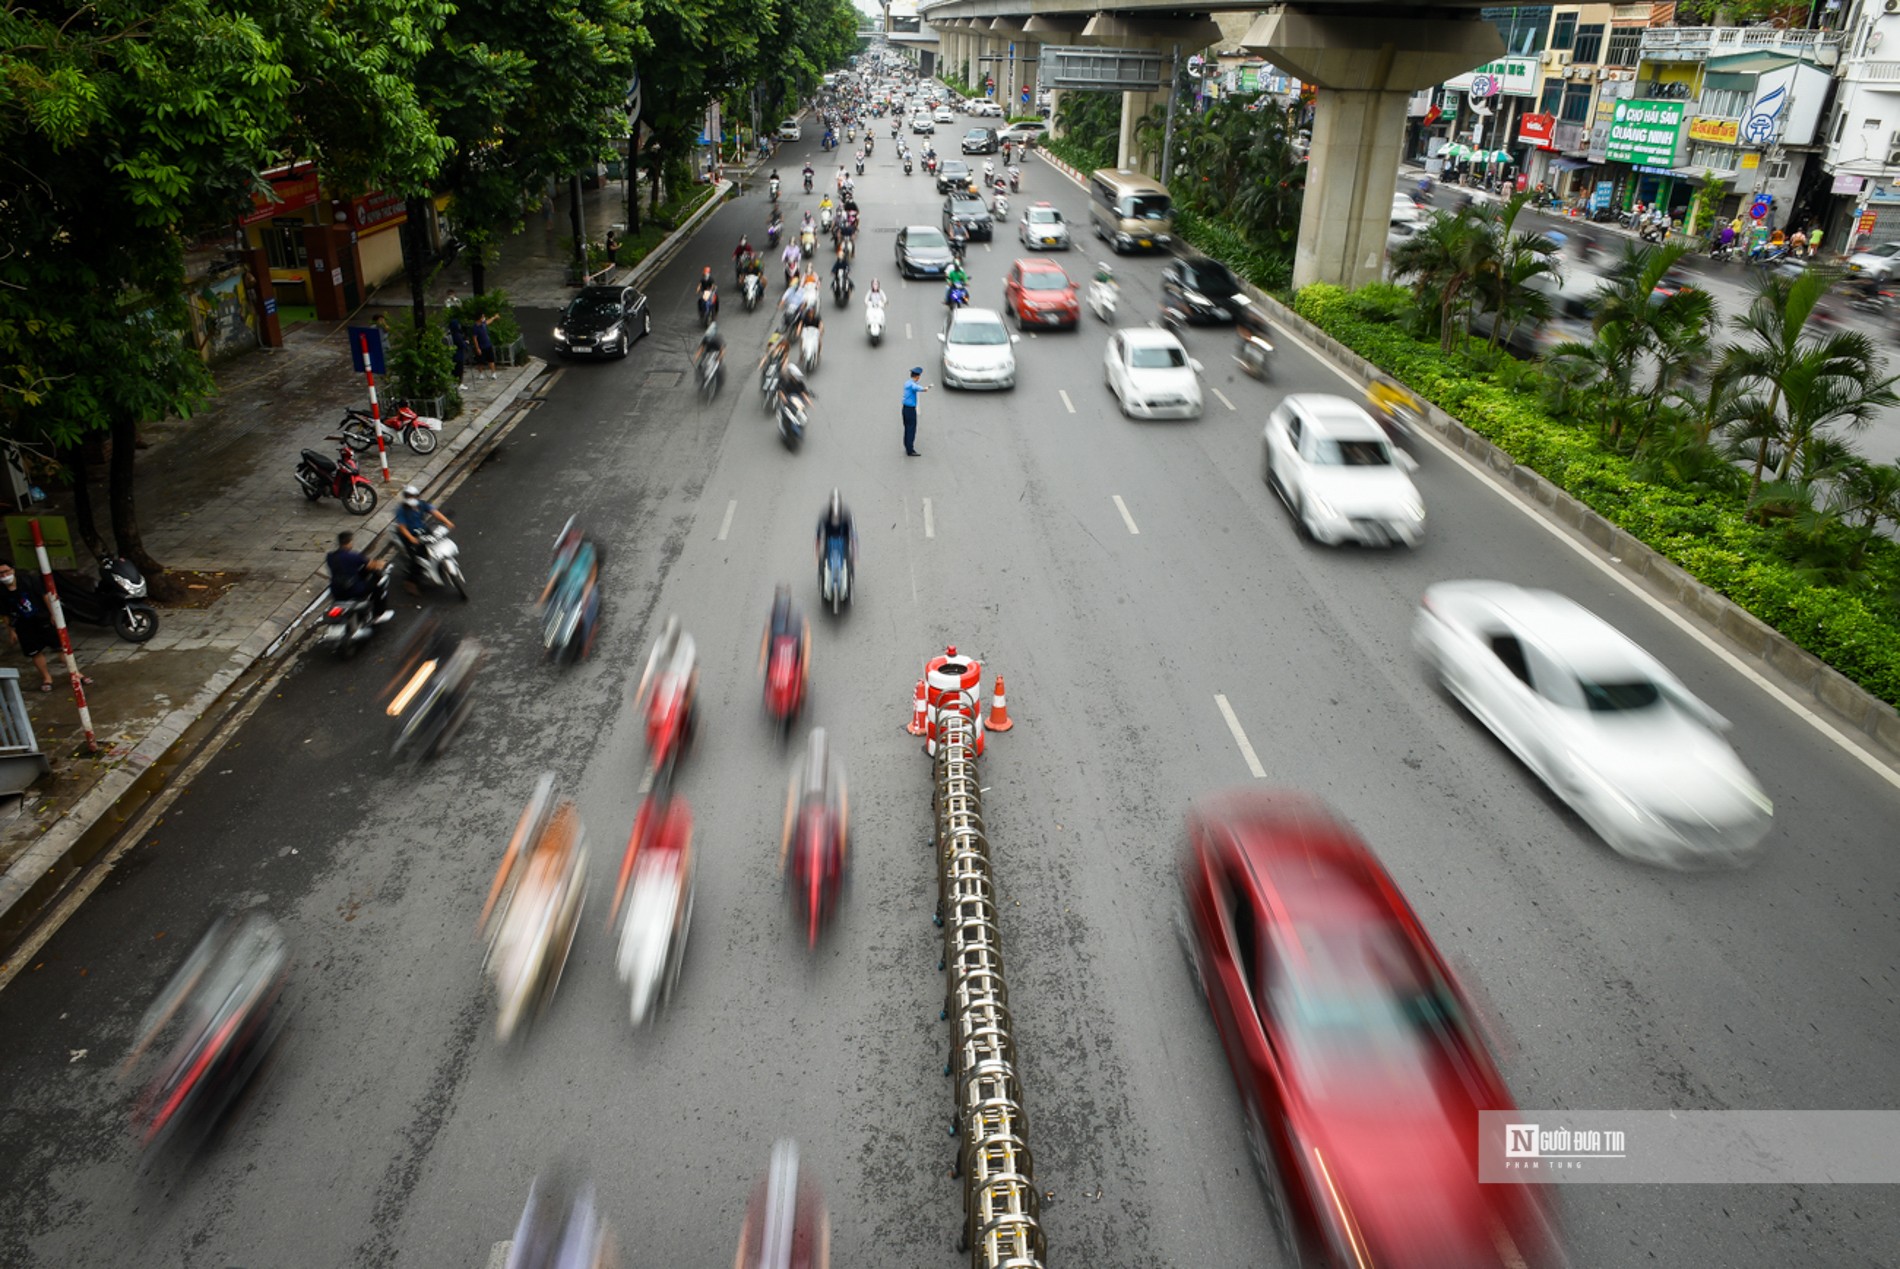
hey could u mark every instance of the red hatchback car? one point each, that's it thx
(1039, 293)
(1357, 1055)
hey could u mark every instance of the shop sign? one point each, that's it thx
(378, 208)
(292, 191)
(1645, 132)
(1720, 131)
(1600, 196)
(1846, 184)
(1539, 130)
(1750, 160)
(1866, 225)
(1512, 76)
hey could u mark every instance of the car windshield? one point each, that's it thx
(595, 306)
(1045, 280)
(1357, 1009)
(924, 238)
(1156, 357)
(1145, 207)
(1211, 279)
(1619, 698)
(955, 167)
(976, 134)
(1885, 249)
(966, 207)
(1331, 453)
(1044, 216)
(979, 331)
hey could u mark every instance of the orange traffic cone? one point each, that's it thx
(999, 710)
(917, 727)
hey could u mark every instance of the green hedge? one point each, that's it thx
(1082, 158)
(1707, 535)
(1270, 271)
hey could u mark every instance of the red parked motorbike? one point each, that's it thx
(320, 477)
(417, 431)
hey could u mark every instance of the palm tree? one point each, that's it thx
(1515, 259)
(1445, 260)
(1802, 383)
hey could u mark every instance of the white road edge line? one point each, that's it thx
(1512, 497)
(1126, 518)
(930, 521)
(725, 526)
(1223, 398)
(1064, 394)
(1240, 738)
(907, 333)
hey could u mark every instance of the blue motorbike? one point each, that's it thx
(834, 574)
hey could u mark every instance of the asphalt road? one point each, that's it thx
(393, 1129)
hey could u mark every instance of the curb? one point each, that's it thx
(1816, 684)
(53, 845)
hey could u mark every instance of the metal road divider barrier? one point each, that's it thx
(1002, 1208)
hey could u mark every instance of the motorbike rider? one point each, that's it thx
(876, 297)
(956, 276)
(412, 518)
(574, 579)
(835, 522)
(808, 175)
(711, 344)
(841, 273)
(354, 575)
(708, 294)
(818, 781)
(672, 670)
(858, 161)
(740, 254)
(786, 622)
(1389, 399)
(959, 239)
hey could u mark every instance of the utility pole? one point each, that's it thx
(1174, 91)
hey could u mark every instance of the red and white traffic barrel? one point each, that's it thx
(953, 684)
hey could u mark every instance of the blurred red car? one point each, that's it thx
(1039, 293)
(1357, 1055)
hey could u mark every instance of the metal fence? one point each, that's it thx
(1001, 1206)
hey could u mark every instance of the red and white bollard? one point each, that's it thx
(952, 685)
(65, 640)
(375, 411)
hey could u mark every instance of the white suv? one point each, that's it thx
(1025, 133)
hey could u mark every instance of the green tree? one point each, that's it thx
(1444, 262)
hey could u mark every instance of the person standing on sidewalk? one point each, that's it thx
(912, 386)
(29, 624)
(458, 343)
(613, 248)
(1814, 243)
(484, 346)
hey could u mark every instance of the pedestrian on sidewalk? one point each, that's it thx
(613, 248)
(912, 386)
(1814, 243)
(458, 342)
(484, 346)
(29, 624)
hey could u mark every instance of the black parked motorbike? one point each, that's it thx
(116, 599)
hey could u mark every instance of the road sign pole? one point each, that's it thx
(375, 411)
(53, 606)
(1167, 136)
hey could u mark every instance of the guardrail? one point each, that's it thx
(1002, 1208)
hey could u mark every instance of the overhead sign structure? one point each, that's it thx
(1645, 132)
(1127, 70)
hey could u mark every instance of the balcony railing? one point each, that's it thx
(1698, 43)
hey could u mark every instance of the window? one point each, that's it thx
(1246, 928)
(1723, 103)
(1589, 45)
(1615, 698)
(1563, 31)
(1625, 46)
(283, 244)
(1553, 96)
(1576, 104)
(1511, 653)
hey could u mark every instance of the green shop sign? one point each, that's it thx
(1645, 132)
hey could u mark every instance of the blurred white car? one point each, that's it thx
(1339, 475)
(790, 131)
(977, 351)
(1596, 718)
(1043, 227)
(1152, 375)
(943, 114)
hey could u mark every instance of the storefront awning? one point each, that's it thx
(1562, 164)
(1698, 175)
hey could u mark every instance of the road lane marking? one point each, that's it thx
(725, 526)
(1223, 398)
(1126, 518)
(907, 333)
(1240, 738)
(1063, 393)
(1511, 497)
(930, 523)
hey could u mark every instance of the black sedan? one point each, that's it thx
(1200, 290)
(971, 214)
(953, 177)
(602, 321)
(922, 252)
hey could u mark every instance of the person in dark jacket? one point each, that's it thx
(29, 624)
(484, 346)
(458, 342)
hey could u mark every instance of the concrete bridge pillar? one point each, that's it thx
(1364, 69)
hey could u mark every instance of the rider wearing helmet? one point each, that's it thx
(412, 518)
(712, 343)
(835, 522)
(786, 622)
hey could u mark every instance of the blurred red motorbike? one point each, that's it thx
(815, 845)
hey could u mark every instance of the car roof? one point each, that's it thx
(966, 315)
(600, 292)
(1584, 641)
(1150, 337)
(1295, 844)
(921, 229)
(1336, 416)
(1039, 264)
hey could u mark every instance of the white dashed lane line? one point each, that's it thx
(725, 526)
(1070, 405)
(1240, 737)
(1126, 518)
(1223, 399)
(930, 521)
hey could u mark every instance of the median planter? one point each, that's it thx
(514, 354)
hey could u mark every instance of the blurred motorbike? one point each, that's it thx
(815, 844)
(784, 682)
(786, 1225)
(657, 871)
(834, 572)
(431, 697)
(437, 561)
(226, 997)
(669, 690)
(570, 602)
(534, 908)
(559, 1232)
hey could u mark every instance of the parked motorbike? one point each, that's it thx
(320, 477)
(227, 995)
(437, 561)
(657, 873)
(834, 573)
(349, 621)
(116, 599)
(752, 288)
(874, 323)
(417, 431)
